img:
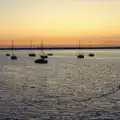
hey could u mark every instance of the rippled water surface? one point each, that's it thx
(66, 88)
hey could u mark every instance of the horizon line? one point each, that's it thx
(59, 48)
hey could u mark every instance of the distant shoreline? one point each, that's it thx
(59, 48)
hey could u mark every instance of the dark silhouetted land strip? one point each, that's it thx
(59, 48)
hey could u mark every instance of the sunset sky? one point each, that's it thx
(60, 22)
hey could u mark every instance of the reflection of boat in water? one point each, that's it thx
(31, 54)
(79, 54)
(13, 57)
(43, 57)
(91, 54)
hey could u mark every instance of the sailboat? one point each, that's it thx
(43, 57)
(31, 54)
(13, 57)
(91, 54)
(50, 53)
(41, 61)
(80, 55)
(7, 54)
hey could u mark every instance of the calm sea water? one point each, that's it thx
(64, 89)
(99, 54)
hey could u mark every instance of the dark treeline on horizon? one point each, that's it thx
(60, 48)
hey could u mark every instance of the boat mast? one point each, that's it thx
(12, 46)
(30, 45)
(42, 46)
(89, 43)
(79, 46)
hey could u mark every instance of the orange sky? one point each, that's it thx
(60, 22)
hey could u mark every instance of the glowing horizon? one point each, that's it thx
(60, 22)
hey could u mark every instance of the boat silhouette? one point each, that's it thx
(50, 53)
(31, 54)
(13, 56)
(41, 61)
(43, 57)
(90, 54)
(79, 54)
(7, 54)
